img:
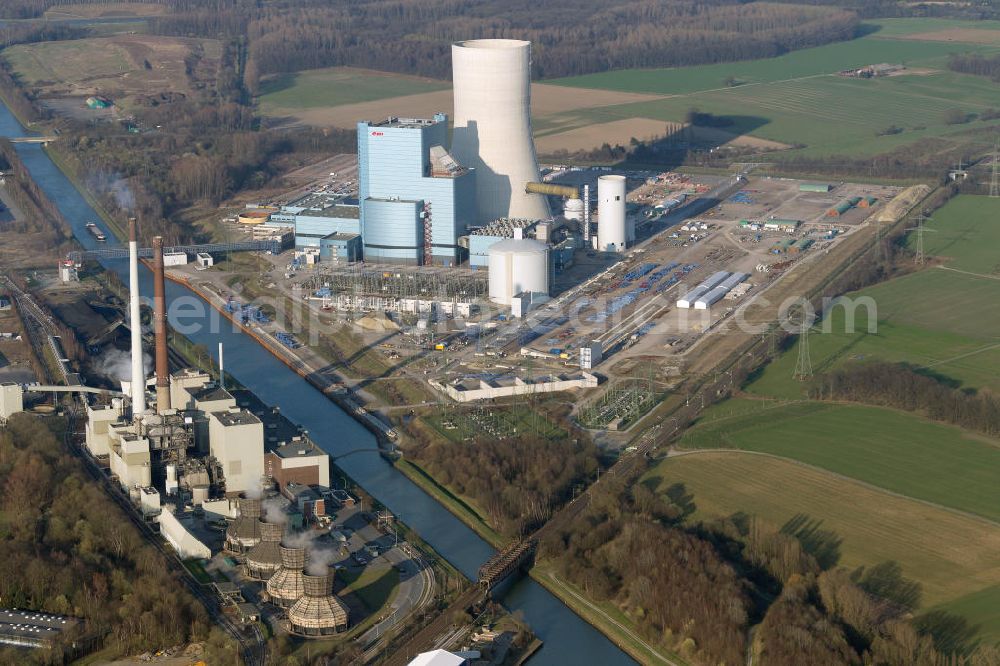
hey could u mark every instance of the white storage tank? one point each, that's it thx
(518, 266)
(573, 209)
(612, 233)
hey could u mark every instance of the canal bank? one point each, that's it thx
(567, 637)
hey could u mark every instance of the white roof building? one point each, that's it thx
(438, 658)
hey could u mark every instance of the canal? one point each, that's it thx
(568, 639)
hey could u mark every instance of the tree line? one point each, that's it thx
(68, 549)
(905, 387)
(974, 63)
(568, 38)
(696, 588)
(39, 214)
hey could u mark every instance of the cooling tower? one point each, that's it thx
(492, 86)
(244, 532)
(285, 587)
(317, 612)
(264, 559)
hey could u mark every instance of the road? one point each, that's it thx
(416, 590)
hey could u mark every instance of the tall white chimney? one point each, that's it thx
(135, 325)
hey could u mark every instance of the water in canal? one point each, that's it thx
(568, 639)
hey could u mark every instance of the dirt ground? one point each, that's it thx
(15, 364)
(121, 67)
(967, 35)
(105, 10)
(545, 100)
(592, 136)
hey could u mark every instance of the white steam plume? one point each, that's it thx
(274, 512)
(255, 490)
(117, 364)
(320, 560)
(299, 539)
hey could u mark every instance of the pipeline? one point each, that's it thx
(564, 191)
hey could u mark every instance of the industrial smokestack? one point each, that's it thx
(492, 87)
(160, 328)
(222, 370)
(138, 375)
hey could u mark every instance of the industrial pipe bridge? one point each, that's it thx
(121, 252)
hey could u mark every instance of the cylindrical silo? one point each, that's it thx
(612, 233)
(518, 266)
(492, 88)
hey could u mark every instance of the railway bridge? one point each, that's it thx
(505, 563)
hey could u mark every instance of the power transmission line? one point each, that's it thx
(995, 172)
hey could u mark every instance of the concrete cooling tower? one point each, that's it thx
(492, 82)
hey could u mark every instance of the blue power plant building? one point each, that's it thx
(415, 199)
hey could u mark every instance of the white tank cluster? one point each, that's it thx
(612, 227)
(492, 129)
(518, 266)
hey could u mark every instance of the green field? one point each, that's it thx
(965, 232)
(336, 86)
(943, 319)
(889, 449)
(797, 99)
(952, 556)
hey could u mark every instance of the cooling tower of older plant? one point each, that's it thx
(492, 82)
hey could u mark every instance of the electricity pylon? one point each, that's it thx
(920, 229)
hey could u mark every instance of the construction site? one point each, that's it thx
(615, 327)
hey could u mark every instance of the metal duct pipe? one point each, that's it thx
(586, 215)
(135, 323)
(564, 191)
(160, 328)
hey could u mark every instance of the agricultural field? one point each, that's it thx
(341, 96)
(104, 10)
(288, 94)
(122, 67)
(798, 99)
(945, 318)
(951, 555)
(795, 100)
(893, 450)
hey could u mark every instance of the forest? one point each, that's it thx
(975, 63)
(901, 386)
(568, 37)
(68, 549)
(517, 482)
(697, 588)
